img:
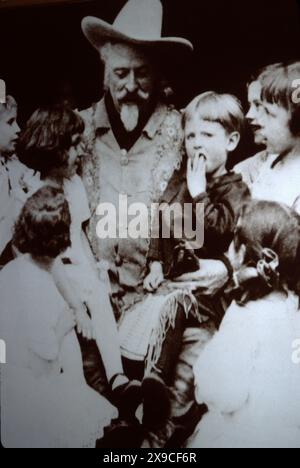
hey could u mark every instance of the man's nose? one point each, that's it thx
(131, 84)
(17, 128)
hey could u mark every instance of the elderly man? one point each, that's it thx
(134, 144)
(134, 137)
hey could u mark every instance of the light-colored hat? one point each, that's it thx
(138, 23)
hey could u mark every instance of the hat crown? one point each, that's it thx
(140, 19)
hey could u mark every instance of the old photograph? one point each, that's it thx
(150, 224)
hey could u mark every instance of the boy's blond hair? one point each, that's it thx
(224, 109)
(9, 105)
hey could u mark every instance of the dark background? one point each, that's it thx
(43, 53)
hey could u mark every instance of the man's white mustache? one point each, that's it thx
(140, 94)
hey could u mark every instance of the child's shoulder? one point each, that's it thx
(273, 307)
(251, 165)
(230, 184)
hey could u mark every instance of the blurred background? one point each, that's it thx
(44, 55)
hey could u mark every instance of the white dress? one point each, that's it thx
(83, 273)
(45, 401)
(80, 213)
(248, 379)
(280, 183)
(17, 183)
(251, 167)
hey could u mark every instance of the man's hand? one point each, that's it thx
(209, 279)
(155, 277)
(196, 175)
(84, 324)
(65, 324)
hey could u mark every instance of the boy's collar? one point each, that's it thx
(226, 178)
(212, 179)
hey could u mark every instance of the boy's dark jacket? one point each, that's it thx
(222, 201)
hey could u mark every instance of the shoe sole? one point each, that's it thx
(134, 397)
(157, 406)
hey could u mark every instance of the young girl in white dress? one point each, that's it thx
(277, 125)
(17, 182)
(45, 401)
(51, 144)
(247, 375)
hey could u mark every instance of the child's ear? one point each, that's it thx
(233, 141)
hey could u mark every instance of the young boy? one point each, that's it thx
(16, 180)
(213, 124)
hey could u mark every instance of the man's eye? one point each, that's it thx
(143, 73)
(77, 142)
(11, 121)
(121, 73)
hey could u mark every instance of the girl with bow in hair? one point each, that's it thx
(246, 375)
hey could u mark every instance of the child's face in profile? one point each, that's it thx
(75, 152)
(255, 108)
(9, 132)
(274, 127)
(210, 140)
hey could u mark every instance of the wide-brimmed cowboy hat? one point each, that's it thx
(138, 23)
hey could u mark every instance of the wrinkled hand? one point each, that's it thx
(84, 324)
(211, 277)
(196, 175)
(155, 277)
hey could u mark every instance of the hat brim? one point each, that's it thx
(99, 32)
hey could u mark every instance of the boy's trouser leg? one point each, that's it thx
(171, 348)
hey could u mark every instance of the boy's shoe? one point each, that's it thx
(156, 402)
(127, 398)
(121, 434)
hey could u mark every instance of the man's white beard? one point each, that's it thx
(130, 116)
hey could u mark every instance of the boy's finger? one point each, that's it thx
(202, 163)
(196, 162)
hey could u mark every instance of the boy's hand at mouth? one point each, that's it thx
(196, 175)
